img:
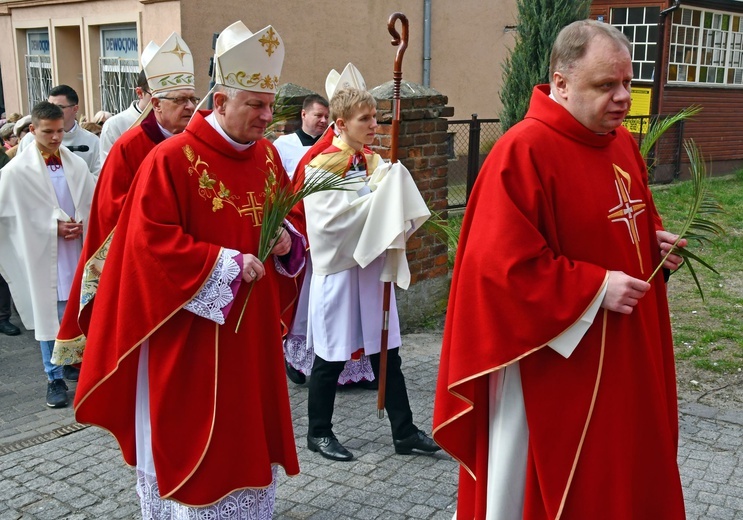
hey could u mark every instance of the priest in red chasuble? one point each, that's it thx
(168, 112)
(557, 389)
(197, 404)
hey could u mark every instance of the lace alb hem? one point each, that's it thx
(298, 355)
(216, 293)
(243, 504)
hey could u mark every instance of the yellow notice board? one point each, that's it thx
(641, 97)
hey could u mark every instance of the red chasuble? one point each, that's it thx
(219, 402)
(111, 190)
(554, 208)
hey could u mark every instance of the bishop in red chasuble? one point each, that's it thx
(558, 209)
(218, 399)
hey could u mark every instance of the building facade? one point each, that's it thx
(90, 44)
(685, 53)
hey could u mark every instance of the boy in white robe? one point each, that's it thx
(45, 196)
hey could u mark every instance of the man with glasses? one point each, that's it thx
(170, 110)
(76, 138)
(199, 402)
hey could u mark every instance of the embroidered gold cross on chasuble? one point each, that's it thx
(214, 190)
(628, 209)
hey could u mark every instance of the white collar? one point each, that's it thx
(212, 120)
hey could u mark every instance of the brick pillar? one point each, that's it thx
(422, 148)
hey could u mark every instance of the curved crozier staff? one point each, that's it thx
(401, 42)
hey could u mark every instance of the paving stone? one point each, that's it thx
(81, 475)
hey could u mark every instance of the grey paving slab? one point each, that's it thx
(51, 467)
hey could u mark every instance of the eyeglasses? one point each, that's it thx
(182, 100)
(67, 106)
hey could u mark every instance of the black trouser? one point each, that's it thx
(321, 398)
(4, 300)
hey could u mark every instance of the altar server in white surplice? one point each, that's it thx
(357, 241)
(45, 197)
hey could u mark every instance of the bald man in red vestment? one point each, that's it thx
(557, 389)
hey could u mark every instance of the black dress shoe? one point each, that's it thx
(8, 328)
(71, 373)
(329, 447)
(418, 441)
(294, 375)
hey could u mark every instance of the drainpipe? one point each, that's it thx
(426, 43)
(660, 49)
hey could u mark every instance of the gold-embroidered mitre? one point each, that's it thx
(170, 67)
(249, 61)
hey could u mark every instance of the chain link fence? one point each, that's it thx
(470, 141)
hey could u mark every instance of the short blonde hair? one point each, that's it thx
(346, 101)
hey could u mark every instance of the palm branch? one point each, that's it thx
(698, 226)
(280, 199)
(660, 126)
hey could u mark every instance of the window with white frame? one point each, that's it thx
(119, 67)
(640, 25)
(38, 66)
(706, 47)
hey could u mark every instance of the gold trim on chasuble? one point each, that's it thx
(221, 194)
(628, 209)
(70, 351)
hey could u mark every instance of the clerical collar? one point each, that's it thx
(52, 160)
(305, 138)
(212, 120)
(165, 132)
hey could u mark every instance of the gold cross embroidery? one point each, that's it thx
(270, 41)
(252, 209)
(177, 51)
(628, 209)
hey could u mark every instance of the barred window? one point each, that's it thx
(640, 25)
(118, 81)
(706, 47)
(119, 67)
(38, 67)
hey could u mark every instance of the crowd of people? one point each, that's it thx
(131, 245)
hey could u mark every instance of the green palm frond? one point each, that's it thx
(697, 226)
(439, 227)
(660, 126)
(280, 199)
(283, 111)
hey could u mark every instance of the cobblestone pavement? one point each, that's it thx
(54, 468)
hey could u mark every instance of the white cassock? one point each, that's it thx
(32, 256)
(357, 239)
(115, 126)
(291, 150)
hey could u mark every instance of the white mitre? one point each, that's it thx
(148, 53)
(170, 67)
(249, 61)
(349, 78)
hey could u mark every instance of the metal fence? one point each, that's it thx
(470, 141)
(39, 78)
(118, 81)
